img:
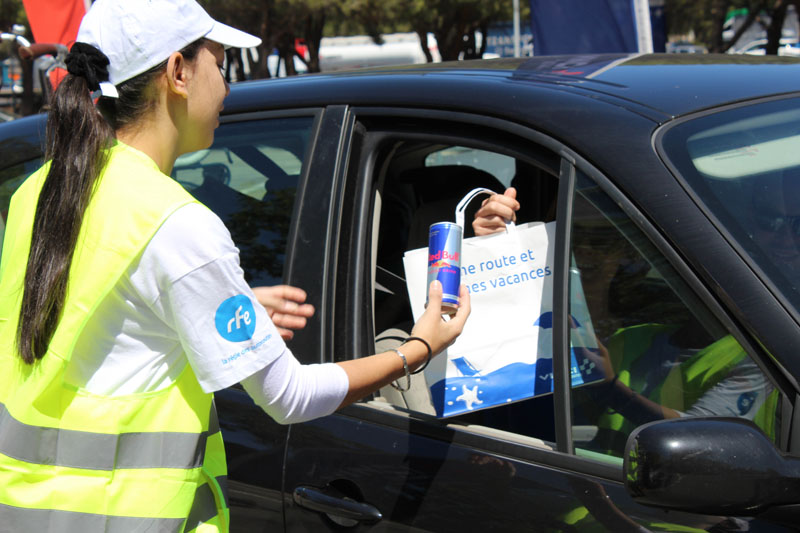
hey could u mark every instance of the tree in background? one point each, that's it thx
(252, 16)
(12, 12)
(454, 23)
(777, 18)
(282, 23)
(705, 18)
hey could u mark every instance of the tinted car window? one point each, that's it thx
(744, 166)
(20, 157)
(249, 178)
(663, 354)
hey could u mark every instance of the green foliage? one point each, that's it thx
(453, 22)
(13, 12)
(280, 22)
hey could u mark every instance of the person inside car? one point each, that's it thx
(717, 380)
(122, 303)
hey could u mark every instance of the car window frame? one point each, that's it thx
(314, 232)
(482, 438)
(362, 341)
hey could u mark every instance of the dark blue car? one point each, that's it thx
(674, 185)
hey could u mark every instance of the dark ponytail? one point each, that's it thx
(78, 134)
(76, 138)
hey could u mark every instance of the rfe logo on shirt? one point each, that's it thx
(235, 319)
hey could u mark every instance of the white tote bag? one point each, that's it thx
(505, 352)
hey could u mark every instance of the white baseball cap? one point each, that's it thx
(137, 35)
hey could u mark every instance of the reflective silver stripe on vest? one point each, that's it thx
(100, 451)
(50, 521)
(204, 507)
(223, 484)
(213, 421)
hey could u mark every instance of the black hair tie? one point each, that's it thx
(88, 62)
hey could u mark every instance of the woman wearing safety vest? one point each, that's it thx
(122, 303)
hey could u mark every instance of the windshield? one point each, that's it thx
(744, 165)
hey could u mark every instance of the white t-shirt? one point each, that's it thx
(740, 394)
(186, 294)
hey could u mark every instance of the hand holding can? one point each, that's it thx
(444, 262)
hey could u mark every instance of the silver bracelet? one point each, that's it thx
(405, 368)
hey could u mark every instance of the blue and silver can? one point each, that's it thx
(444, 261)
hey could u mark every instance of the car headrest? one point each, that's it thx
(438, 191)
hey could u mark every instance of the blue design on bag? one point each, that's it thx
(456, 395)
(464, 366)
(545, 321)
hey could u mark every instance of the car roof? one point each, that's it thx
(660, 86)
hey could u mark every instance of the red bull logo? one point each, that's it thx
(441, 255)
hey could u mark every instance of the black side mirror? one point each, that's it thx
(716, 466)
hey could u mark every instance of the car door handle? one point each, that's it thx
(317, 500)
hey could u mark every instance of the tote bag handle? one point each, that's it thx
(471, 195)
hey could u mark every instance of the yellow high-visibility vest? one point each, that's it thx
(682, 387)
(74, 461)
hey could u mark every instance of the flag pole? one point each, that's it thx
(516, 28)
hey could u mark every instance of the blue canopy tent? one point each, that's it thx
(596, 26)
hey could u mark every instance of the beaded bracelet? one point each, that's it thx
(430, 352)
(405, 368)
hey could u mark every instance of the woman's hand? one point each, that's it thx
(286, 307)
(367, 374)
(433, 328)
(495, 212)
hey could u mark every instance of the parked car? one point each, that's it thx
(758, 47)
(673, 183)
(682, 47)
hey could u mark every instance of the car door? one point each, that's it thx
(261, 171)
(550, 463)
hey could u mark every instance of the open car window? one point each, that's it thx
(420, 183)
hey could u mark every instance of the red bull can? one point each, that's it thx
(444, 262)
